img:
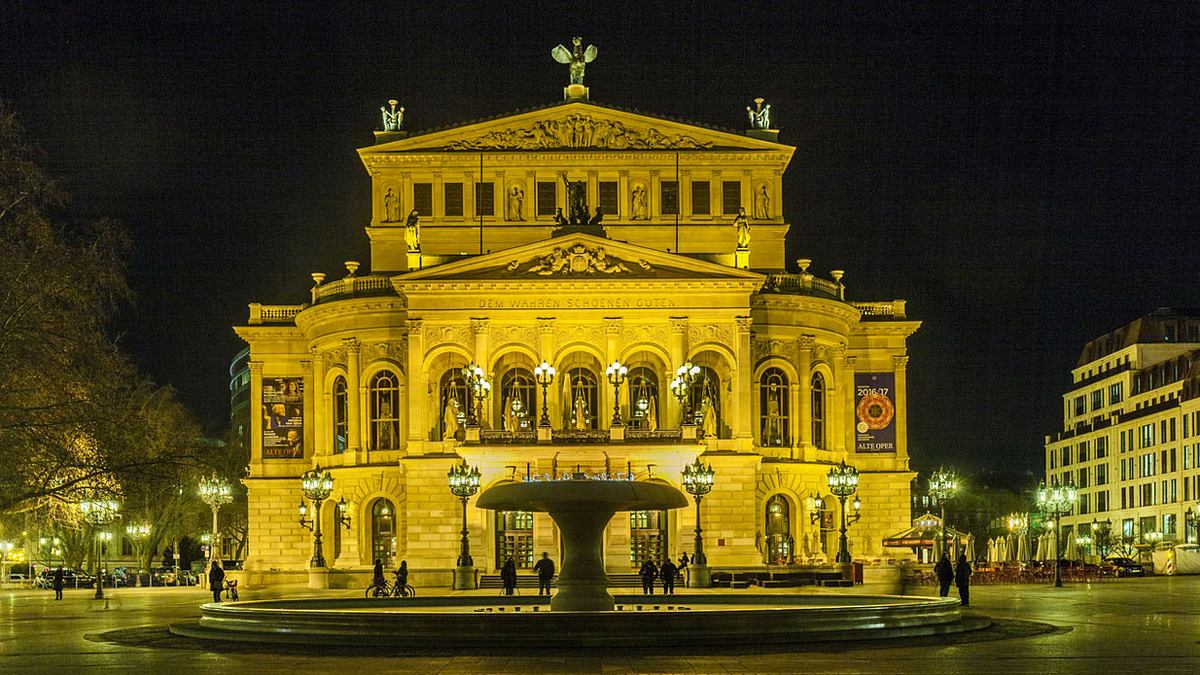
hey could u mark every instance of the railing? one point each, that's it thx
(888, 310)
(802, 284)
(660, 436)
(588, 436)
(260, 313)
(349, 287)
(508, 437)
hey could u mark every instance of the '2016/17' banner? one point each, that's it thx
(875, 412)
(283, 418)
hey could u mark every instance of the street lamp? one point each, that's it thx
(681, 387)
(342, 512)
(543, 374)
(698, 481)
(464, 483)
(99, 513)
(1057, 501)
(1018, 524)
(216, 492)
(6, 547)
(943, 485)
(616, 377)
(1101, 536)
(136, 534)
(316, 487)
(843, 482)
(815, 506)
(472, 375)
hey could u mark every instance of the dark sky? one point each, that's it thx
(1025, 176)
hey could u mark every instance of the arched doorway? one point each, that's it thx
(514, 538)
(452, 402)
(643, 394)
(647, 537)
(383, 532)
(780, 544)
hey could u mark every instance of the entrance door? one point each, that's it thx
(514, 538)
(647, 537)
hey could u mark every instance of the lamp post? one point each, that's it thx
(1057, 501)
(216, 492)
(543, 374)
(472, 375)
(464, 483)
(1101, 536)
(681, 387)
(1018, 524)
(99, 513)
(843, 482)
(698, 481)
(6, 547)
(137, 534)
(616, 374)
(316, 486)
(943, 485)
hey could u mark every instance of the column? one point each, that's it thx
(804, 392)
(309, 428)
(678, 351)
(593, 191)
(320, 399)
(654, 199)
(612, 334)
(834, 427)
(623, 196)
(483, 359)
(685, 194)
(545, 329)
(406, 202)
(741, 407)
(847, 402)
(439, 197)
(353, 424)
(418, 417)
(900, 367)
(747, 193)
(256, 417)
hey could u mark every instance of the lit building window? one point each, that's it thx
(385, 411)
(818, 410)
(341, 415)
(773, 409)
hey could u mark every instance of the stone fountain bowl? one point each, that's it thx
(582, 509)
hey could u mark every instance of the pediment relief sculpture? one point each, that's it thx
(579, 130)
(577, 259)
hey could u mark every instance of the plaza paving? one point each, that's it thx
(1134, 625)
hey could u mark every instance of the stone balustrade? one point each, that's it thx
(260, 313)
(893, 309)
(349, 287)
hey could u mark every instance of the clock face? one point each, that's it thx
(875, 411)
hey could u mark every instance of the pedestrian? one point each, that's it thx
(668, 572)
(648, 571)
(377, 573)
(58, 583)
(508, 575)
(545, 572)
(401, 574)
(962, 579)
(945, 574)
(216, 580)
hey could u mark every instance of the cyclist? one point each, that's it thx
(402, 577)
(378, 580)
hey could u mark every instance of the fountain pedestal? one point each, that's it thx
(582, 509)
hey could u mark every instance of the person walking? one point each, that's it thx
(962, 579)
(668, 572)
(58, 583)
(648, 571)
(508, 575)
(945, 575)
(216, 580)
(545, 571)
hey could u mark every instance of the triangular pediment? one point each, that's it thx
(579, 257)
(577, 125)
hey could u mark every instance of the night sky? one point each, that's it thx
(1025, 177)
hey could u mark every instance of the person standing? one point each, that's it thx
(401, 574)
(377, 573)
(945, 575)
(668, 572)
(58, 583)
(216, 580)
(508, 575)
(545, 571)
(648, 571)
(962, 579)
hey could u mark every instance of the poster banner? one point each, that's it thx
(283, 418)
(875, 412)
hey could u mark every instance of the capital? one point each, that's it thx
(612, 325)
(479, 325)
(806, 341)
(899, 362)
(306, 367)
(256, 367)
(679, 324)
(414, 325)
(352, 345)
(743, 323)
(545, 326)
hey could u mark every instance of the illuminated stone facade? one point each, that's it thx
(487, 276)
(1130, 441)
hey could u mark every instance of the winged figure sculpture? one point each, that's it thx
(577, 59)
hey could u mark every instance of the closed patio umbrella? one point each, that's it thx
(1071, 551)
(1023, 549)
(969, 548)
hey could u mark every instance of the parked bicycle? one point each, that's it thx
(231, 591)
(390, 590)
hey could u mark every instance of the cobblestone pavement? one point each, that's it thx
(1130, 625)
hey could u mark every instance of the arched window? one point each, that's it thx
(383, 532)
(582, 402)
(452, 404)
(385, 411)
(773, 409)
(643, 398)
(705, 402)
(517, 401)
(514, 538)
(647, 537)
(780, 544)
(341, 415)
(818, 410)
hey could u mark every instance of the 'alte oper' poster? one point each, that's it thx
(283, 418)
(875, 412)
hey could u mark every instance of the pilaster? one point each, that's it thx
(418, 415)
(745, 370)
(353, 400)
(804, 393)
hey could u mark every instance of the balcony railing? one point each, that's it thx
(353, 287)
(802, 284)
(260, 313)
(893, 309)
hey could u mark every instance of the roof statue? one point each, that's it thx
(392, 119)
(577, 59)
(760, 115)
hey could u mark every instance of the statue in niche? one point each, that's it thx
(762, 203)
(516, 203)
(391, 207)
(743, 229)
(577, 209)
(392, 119)
(577, 60)
(760, 115)
(639, 210)
(412, 232)
(708, 421)
(450, 416)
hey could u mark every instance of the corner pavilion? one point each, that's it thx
(472, 262)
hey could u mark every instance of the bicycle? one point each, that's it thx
(405, 591)
(231, 591)
(380, 590)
